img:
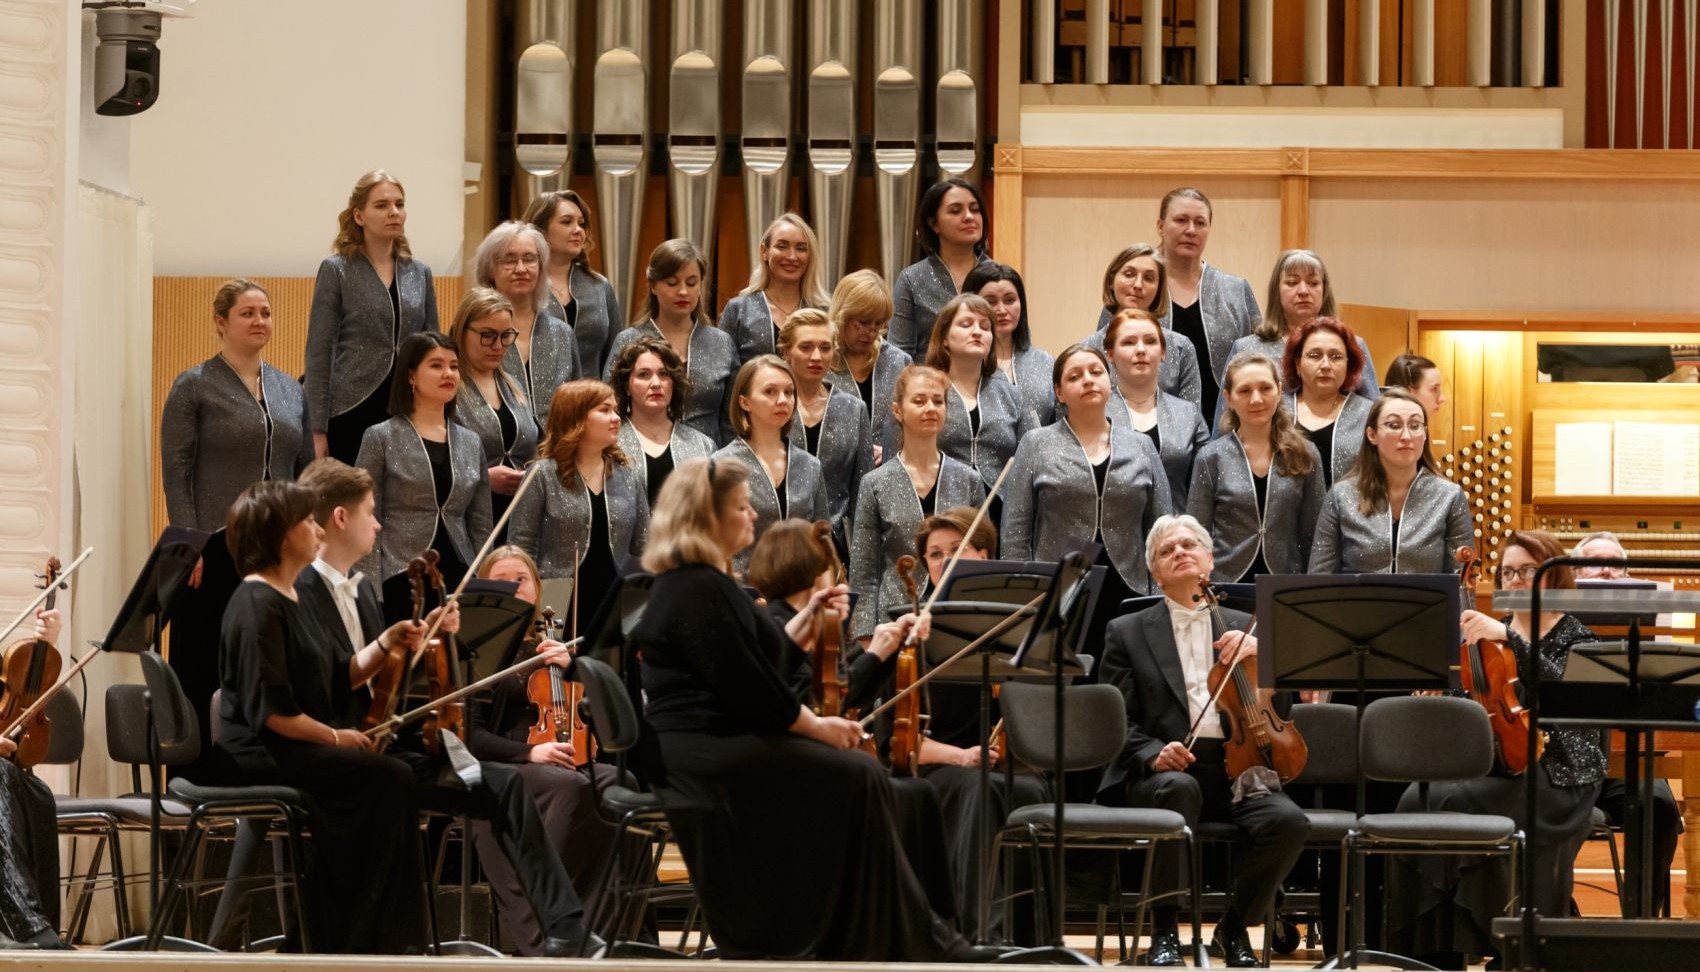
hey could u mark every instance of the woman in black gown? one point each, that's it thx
(29, 841)
(790, 837)
(282, 722)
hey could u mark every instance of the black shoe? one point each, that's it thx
(1165, 949)
(1236, 948)
(590, 945)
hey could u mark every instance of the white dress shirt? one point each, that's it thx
(1194, 642)
(345, 591)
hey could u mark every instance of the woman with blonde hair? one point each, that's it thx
(231, 420)
(651, 386)
(490, 402)
(986, 418)
(764, 795)
(675, 315)
(1137, 279)
(544, 352)
(370, 293)
(862, 359)
(785, 479)
(786, 279)
(834, 426)
(577, 294)
(587, 502)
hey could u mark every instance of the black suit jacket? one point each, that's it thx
(1141, 659)
(319, 603)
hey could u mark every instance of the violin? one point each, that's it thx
(1488, 670)
(829, 636)
(560, 715)
(1257, 735)
(30, 668)
(389, 681)
(906, 714)
(439, 659)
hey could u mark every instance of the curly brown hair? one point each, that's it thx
(621, 376)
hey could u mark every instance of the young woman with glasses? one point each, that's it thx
(490, 402)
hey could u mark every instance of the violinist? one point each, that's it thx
(1441, 908)
(1161, 659)
(29, 841)
(559, 785)
(789, 835)
(344, 609)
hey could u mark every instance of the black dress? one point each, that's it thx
(793, 845)
(29, 856)
(1440, 905)
(367, 886)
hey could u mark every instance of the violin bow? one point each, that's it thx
(60, 583)
(414, 715)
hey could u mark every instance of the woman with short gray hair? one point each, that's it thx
(511, 261)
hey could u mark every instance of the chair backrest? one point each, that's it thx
(1328, 730)
(178, 729)
(65, 740)
(1426, 739)
(613, 718)
(1096, 726)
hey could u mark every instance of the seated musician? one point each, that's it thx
(1667, 813)
(1161, 658)
(952, 748)
(346, 612)
(1441, 908)
(29, 841)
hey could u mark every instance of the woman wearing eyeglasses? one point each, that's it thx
(1395, 514)
(1321, 360)
(1441, 908)
(544, 352)
(490, 402)
(862, 359)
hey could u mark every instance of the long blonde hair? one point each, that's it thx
(811, 292)
(863, 296)
(350, 239)
(686, 517)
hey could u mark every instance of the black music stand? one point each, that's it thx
(157, 592)
(1391, 632)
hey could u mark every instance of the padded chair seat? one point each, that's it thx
(623, 800)
(127, 809)
(1447, 827)
(1089, 818)
(195, 793)
(1330, 826)
(1598, 820)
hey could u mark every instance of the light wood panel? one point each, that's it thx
(183, 336)
(1393, 164)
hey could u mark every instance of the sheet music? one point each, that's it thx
(1578, 465)
(1656, 459)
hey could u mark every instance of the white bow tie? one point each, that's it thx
(350, 585)
(1188, 619)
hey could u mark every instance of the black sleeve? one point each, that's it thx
(256, 643)
(865, 677)
(491, 737)
(1140, 748)
(721, 639)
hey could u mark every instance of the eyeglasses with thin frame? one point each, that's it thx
(490, 337)
(864, 325)
(1332, 357)
(508, 261)
(1396, 427)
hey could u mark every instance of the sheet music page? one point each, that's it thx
(1656, 459)
(1578, 463)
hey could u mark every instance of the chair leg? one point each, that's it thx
(250, 835)
(77, 922)
(1340, 930)
(1144, 907)
(1200, 953)
(161, 920)
(297, 872)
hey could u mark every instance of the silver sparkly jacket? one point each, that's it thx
(684, 443)
(846, 454)
(1223, 498)
(805, 493)
(711, 366)
(887, 515)
(1367, 387)
(1347, 437)
(890, 363)
(1003, 421)
(351, 337)
(1051, 502)
(917, 295)
(552, 519)
(214, 441)
(1229, 311)
(474, 412)
(407, 502)
(595, 318)
(1435, 523)
(1177, 375)
(1180, 432)
(554, 362)
(748, 320)
(1032, 369)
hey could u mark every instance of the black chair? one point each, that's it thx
(80, 817)
(1096, 728)
(1328, 730)
(1397, 744)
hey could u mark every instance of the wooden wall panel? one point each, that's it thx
(183, 336)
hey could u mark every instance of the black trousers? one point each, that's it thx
(344, 432)
(962, 801)
(29, 855)
(1667, 828)
(1274, 828)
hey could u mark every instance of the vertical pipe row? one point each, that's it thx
(1667, 38)
(956, 100)
(1042, 41)
(1534, 44)
(1316, 42)
(1097, 41)
(1478, 44)
(1369, 43)
(1260, 39)
(1422, 44)
(1208, 68)
(832, 127)
(543, 96)
(1614, 20)
(619, 134)
(766, 139)
(693, 119)
(1638, 23)
(1151, 41)
(897, 127)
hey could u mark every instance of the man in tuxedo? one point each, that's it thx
(347, 609)
(1161, 658)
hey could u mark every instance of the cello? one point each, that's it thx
(1488, 671)
(1257, 736)
(29, 668)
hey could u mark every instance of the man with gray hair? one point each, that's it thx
(1613, 798)
(1160, 659)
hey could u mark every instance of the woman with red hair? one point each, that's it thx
(1324, 360)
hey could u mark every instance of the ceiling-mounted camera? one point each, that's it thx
(126, 61)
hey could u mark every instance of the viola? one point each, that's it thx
(389, 681)
(1488, 670)
(30, 668)
(560, 714)
(906, 714)
(439, 659)
(1257, 735)
(829, 636)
